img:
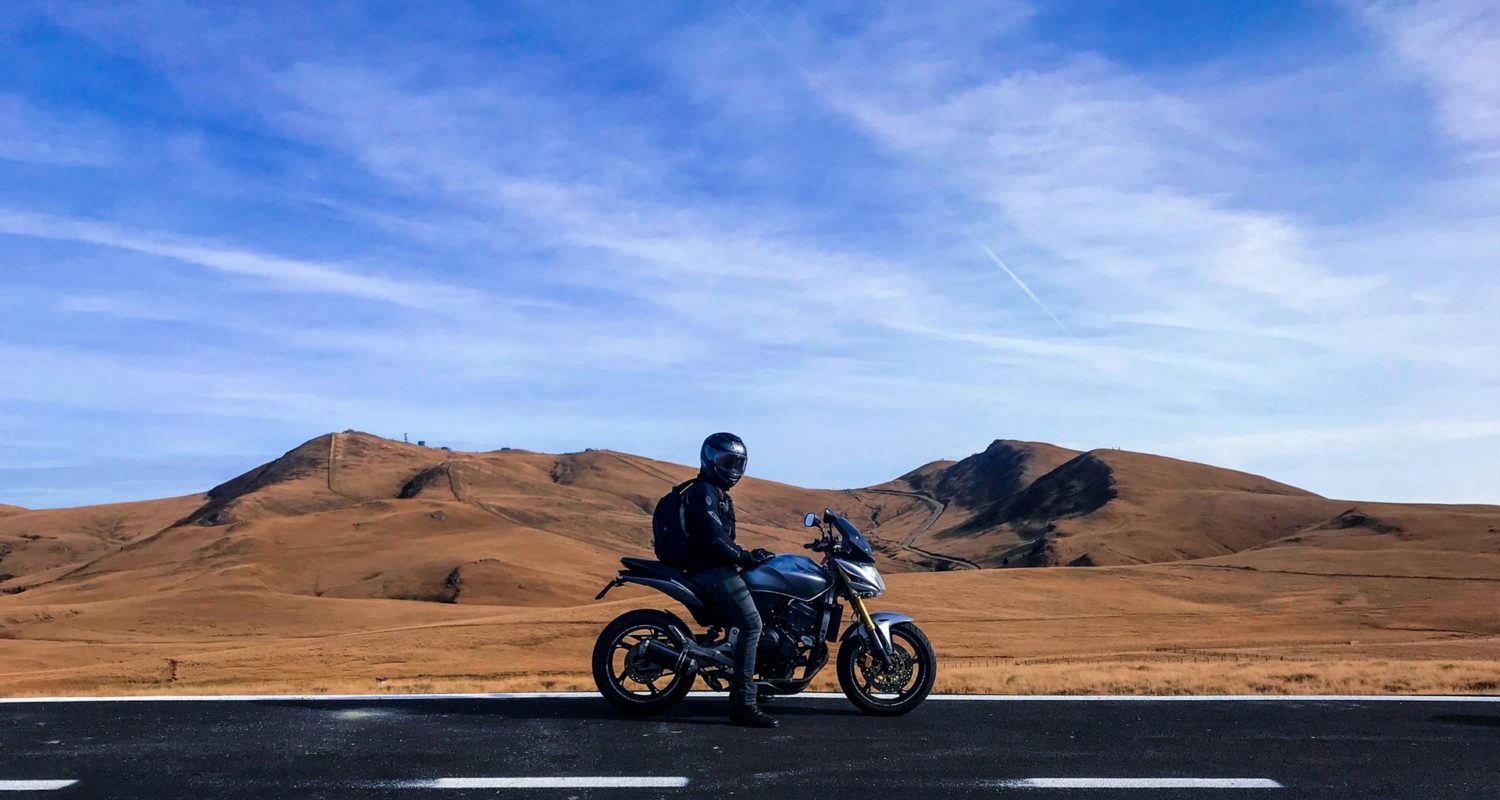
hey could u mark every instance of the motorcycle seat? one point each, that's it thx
(675, 583)
(656, 569)
(647, 568)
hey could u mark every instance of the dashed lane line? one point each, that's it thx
(1140, 783)
(34, 786)
(600, 782)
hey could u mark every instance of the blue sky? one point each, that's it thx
(1264, 235)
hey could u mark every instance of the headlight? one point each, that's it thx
(863, 578)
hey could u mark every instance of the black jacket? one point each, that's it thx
(709, 514)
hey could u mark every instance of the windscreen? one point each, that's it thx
(856, 540)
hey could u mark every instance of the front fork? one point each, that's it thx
(871, 630)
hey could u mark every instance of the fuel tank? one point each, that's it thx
(788, 574)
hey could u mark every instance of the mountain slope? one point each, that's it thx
(41, 546)
(355, 516)
(1028, 504)
(353, 557)
(1385, 539)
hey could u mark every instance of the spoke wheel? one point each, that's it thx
(888, 690)
(624, 677)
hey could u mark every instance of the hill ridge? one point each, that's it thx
(361, 501)
(356, 555)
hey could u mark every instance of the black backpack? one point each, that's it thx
(669, 535)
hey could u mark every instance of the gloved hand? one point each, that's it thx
(761, 555)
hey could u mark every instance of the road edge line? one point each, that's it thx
(1007, 698)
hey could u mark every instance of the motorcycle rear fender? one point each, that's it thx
(673, 589)
(883, 622)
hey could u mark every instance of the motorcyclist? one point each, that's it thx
(716, 559)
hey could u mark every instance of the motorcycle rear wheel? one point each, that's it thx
(629, 685)
(873, 688)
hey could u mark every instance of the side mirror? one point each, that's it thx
(810, 521)
(829, 516)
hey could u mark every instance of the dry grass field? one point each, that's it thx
(356, 564)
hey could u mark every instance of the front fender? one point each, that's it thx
(883, 621)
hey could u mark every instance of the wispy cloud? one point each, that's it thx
(1454, 46)
(1382, 435)
(285, 273)
(840, 231)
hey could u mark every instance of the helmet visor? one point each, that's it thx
(730, 462)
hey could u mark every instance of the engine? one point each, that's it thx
(792, 628)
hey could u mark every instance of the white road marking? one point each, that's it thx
(549, 783)
(1141, 783)
(34, 786)
(1007, 698)
(1218, 698)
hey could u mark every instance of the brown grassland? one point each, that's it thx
(357, 564)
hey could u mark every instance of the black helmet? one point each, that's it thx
(723, 459)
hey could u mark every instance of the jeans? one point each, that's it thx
(728, 592)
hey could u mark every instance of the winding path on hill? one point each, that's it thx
(653, 472)
(334, 455)
(935, 508)
(449, 467)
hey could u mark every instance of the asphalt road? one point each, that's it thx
(552, 747)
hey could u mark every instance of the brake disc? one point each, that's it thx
(893, 679)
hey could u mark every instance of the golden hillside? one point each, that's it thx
(358, 562)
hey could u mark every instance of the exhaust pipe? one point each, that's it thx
(663, 655)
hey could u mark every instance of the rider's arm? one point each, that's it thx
(710, 535)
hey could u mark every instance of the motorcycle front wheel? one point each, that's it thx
(628, 681)
(892, 690)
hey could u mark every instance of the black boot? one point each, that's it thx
(751, 716)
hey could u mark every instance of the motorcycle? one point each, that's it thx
(646, 660)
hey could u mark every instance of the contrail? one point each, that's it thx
(786, 54)
(807, 79)
(1022, 284)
